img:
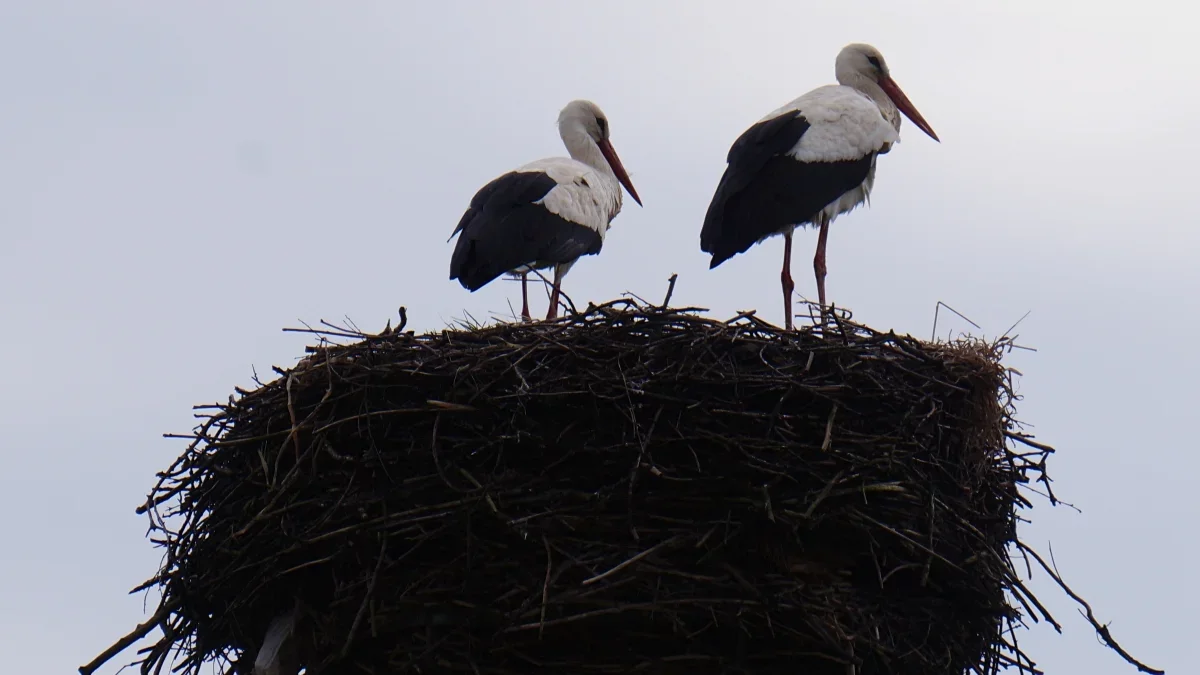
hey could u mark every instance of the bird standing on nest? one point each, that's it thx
(546, 214)
(807, 163)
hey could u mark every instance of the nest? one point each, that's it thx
(627, 489)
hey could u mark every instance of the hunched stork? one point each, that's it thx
(807, 163)
(547, 213)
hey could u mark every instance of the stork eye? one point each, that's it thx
(874, 61)
(603, 124)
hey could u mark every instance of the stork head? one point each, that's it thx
(862, 62)
(585, 116)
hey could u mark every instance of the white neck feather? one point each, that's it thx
(582, 148)
(856, 80)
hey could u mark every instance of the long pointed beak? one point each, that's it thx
(615, 162)
(893, 91)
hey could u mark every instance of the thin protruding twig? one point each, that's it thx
(1101, 629)
(1027, 440)
(670, 290)
(940, 305)
(141, 631)
(1014, 326)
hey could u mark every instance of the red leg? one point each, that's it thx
(553, 313)
(819, 266)
(785, 279)
(525, 297)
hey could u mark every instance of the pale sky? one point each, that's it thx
(179, 181)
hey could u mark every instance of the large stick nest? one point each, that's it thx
(626, 489)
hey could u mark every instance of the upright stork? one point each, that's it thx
(547, 213)
(807, 163)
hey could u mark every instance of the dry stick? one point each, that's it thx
(1101, 630)
(291, 408)
(670, 289)
(320, 332)
(293, 474)
(562, 297)
(545, 586)
(910, 540)
(362, 609)
(293, 435)
(629, 562)
(136, 634)
(1025, 597)
(435, 406)
(1022, 438)
(1018, 654)
(829, 429)
(823, 494)
(643, 606)
(940, 305)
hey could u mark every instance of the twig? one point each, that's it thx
(641, 606)
(1101, 629)
(362, 608)
(1022, 438)
(434, 406)
(627, 563)
(1014, 326)
(940, 305)
(545, 585)
(829, 428)
(136, 634)
(670, 290)
(292, 414)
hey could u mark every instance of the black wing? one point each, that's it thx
(764, 190)
(504, 229)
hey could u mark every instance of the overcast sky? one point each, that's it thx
(179, 181)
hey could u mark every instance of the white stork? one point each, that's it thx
(807, 163)
(547, 213)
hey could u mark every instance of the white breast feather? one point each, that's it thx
(845, 125)
(584, 195)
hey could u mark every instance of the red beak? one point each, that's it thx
(606, 149)
(893, 91)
